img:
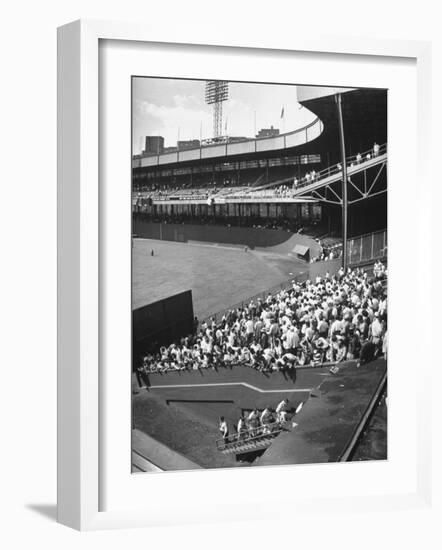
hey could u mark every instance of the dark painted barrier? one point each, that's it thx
(161, 323)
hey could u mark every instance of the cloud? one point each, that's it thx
(185, 117)
(239, 106)
(188, 102)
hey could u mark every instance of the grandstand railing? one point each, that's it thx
(367, 248)
(250, 439)
(351, 161)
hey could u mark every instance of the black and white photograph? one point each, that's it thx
(259, 274)
(221, 254)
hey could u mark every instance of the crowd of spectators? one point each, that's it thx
(328, 320)
(278, 224)
(196, 187)
(328, 252)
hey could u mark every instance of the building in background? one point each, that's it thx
(153, 145)
(268, 132)
(184, 145)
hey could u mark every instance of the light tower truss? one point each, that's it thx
(217, 91)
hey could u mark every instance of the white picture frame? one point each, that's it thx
(79, 270)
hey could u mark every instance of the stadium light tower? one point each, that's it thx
(217, 91)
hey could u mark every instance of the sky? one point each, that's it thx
(174, 107)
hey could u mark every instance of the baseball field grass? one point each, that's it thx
(218, 276)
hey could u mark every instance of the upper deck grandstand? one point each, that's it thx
(293, 176)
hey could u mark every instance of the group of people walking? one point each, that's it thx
(256, 423)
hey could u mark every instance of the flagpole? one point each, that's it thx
(283, 119)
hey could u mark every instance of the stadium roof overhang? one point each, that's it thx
(364, 112)
(365, 121)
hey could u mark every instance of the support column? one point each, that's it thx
(344, 181)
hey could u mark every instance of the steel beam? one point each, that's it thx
(338, 100)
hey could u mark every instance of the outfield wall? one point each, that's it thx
(242, 236)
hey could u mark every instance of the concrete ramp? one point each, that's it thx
(332, 419)
(150, 455)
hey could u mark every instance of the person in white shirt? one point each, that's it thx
(253, 422)
(281, 410)
(385, 344)
(241, 428)
(250, 329)
(224, 429)
(265, 416)
(376, 330)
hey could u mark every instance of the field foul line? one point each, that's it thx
(230, 384)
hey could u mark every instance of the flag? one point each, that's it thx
(282, 112)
